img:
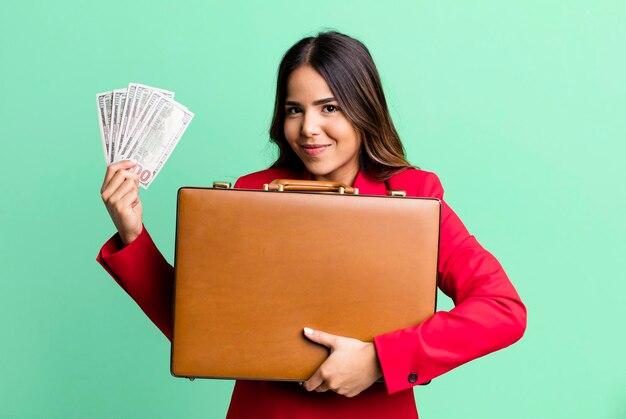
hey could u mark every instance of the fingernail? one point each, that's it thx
(308, 331)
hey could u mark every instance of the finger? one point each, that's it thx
(115, 183)
(112, 169)
(352, 393)
(322, 388)
(320, 337)
(131, 198)
(314, 382)
(126, 187)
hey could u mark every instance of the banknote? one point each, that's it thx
(117, 107)
(136, 101)
(133, 136)
(156, 141)
(143, 123)
(103, 101)
(130, 94)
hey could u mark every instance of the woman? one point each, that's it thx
(331, 123)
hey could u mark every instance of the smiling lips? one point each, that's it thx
(314, 149)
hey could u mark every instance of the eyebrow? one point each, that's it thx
(317, 102)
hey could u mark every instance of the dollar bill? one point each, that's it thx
(158, 138)
(103, 100)
(130, 94)
(137, 105)
(119, 98)
(140, 124)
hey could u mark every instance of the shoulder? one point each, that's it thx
(417, 182)
(257, 179)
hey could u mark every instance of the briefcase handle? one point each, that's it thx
(309, 185)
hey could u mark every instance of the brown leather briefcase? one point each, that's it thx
(253, 268)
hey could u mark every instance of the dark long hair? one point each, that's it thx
(348, 68)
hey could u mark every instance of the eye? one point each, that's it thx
(293, 110)
(330, 108)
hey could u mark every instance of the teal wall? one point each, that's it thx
(517, 106)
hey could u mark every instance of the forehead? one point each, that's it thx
(306, 84)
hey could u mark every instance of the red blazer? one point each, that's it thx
(488, 314)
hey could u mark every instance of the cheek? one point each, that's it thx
(291, 129)
(346, 134)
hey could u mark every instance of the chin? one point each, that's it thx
(317, 171)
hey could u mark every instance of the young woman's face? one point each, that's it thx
(317, 130)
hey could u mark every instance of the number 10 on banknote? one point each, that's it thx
(142, 123)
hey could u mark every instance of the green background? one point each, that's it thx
(517, 106)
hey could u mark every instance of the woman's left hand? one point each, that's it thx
(351, 367)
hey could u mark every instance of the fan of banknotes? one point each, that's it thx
(141, 123)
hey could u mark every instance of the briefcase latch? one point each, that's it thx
(396, 192)
(221, 185)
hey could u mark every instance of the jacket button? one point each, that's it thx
(412, 377)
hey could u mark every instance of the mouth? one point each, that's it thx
(314, 149)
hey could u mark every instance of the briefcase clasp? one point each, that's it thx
(221, 185)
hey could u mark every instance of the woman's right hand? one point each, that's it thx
(120, 194)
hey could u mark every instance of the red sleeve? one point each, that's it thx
(488, 313)
(142, 271)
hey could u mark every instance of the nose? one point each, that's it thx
(310, 125)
